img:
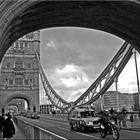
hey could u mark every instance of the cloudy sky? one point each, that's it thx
(73, 58)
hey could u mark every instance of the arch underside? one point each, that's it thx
(120, 18)
(20, 96)
(14, 104)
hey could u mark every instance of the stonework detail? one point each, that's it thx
(19, 70)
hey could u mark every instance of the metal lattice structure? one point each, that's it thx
(98, 88)
(54, 98)
(107, 77)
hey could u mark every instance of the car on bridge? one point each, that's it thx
(35, 115)
(83, 119)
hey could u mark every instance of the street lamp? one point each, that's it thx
(0, 102)
(101, 98)
(134, 52)
(20, 106)
(116, 85)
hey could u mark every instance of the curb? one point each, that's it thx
(131, 129)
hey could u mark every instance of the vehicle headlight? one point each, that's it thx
(82, 122)
(89, 123)
(113, 122)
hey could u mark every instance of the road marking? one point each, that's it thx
(88, 135)
(58, 127)
(63, 128)
(51, 125)
(53, 133)
(132, 131)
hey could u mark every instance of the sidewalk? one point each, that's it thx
(134, 126)
(18, 134)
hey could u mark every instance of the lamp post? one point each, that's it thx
(102, 98)
(20, 107)
(116, 81)
(0, 104)
(116, 85)
(134, 52)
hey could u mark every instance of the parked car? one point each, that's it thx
(35, 115)
(28, 114)
(83, 119)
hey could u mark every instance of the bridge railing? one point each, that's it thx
(132, 120)
(34, 132)
(57, 116)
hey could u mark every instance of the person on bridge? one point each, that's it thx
(111, 111)
(124, 115)
(1, 125)
(9, 128)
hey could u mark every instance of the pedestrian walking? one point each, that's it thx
(1, 125)
(139, 114)
(8, 129)
(131, 120)
(124, 115)
(112, 111)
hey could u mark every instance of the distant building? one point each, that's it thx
(134, 99)
(46, 109)
(110, 100)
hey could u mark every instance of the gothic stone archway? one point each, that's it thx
(29, 100)
(19, 69)
(16, 105)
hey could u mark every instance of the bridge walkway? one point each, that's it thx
(18, 134)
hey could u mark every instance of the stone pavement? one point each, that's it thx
(18, 134)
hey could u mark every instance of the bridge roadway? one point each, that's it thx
(62, 129)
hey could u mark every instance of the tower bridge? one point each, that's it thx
(19, 28)
(19, 72)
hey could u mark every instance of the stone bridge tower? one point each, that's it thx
(19, 76)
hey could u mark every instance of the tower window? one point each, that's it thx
(18, 81)
(19, 64)
(26, 82)
(8, 64)
(29, 66)
(26, 44)
(10, 81)
(16, 44)
(21, 44)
